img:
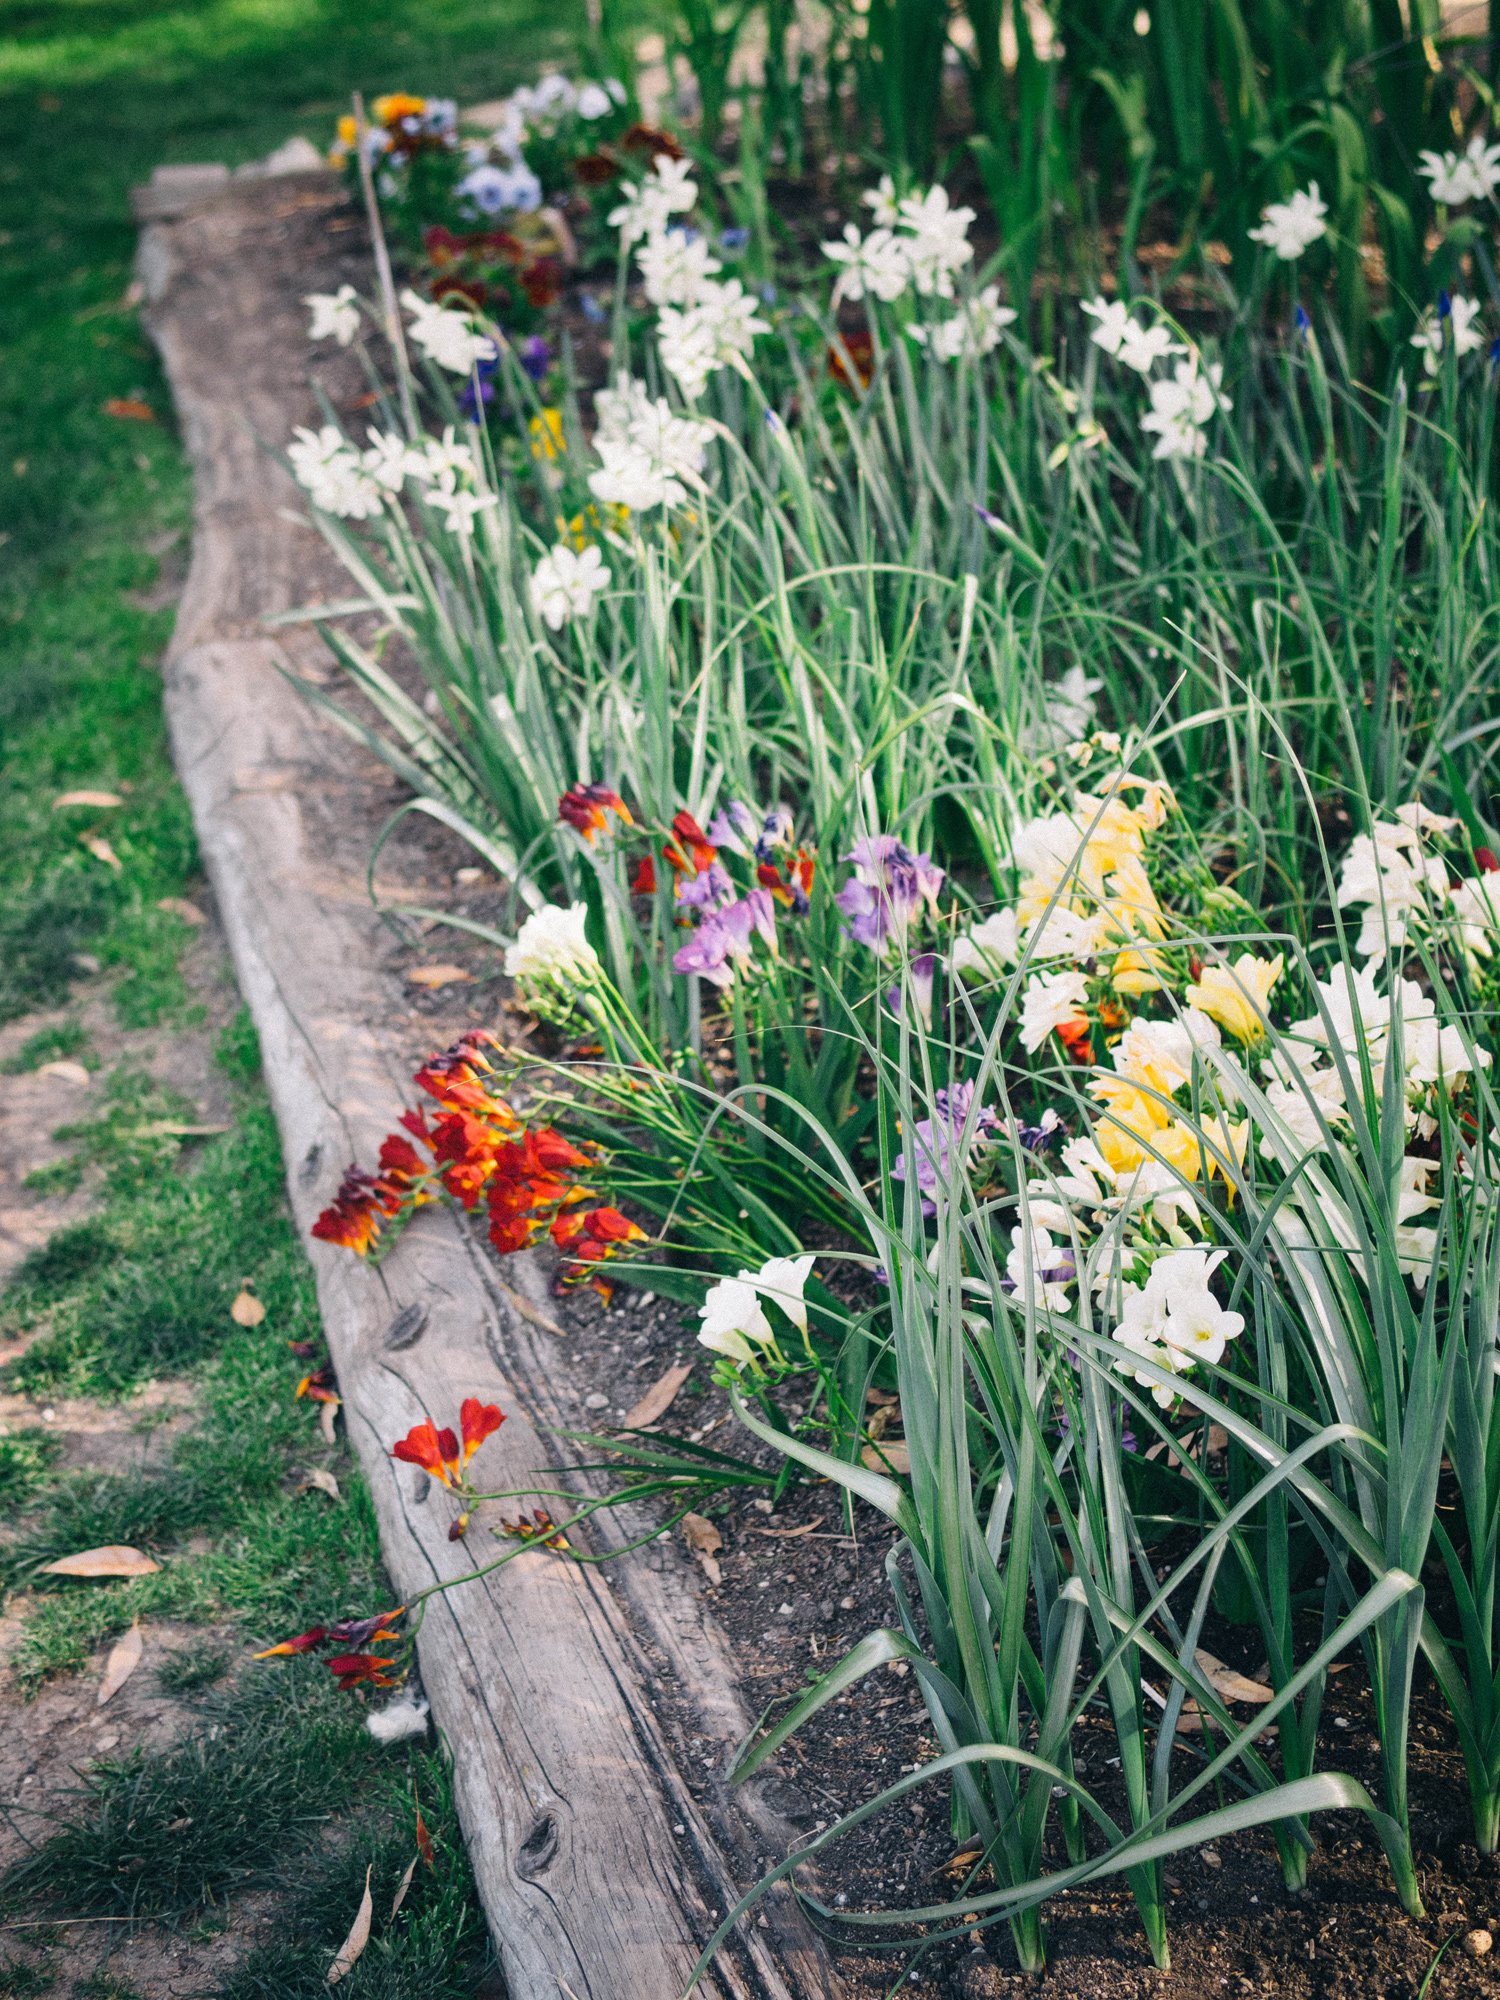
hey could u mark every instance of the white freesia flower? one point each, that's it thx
(552, 946)
(733, 1322)
(1455, 178)
(446, 337)
(783, 1280)
(1040, 1267)
(675, 267)
(876, 266)
(1461, 322)
(566, 582)
(973, 330)
(668, 190)
(1476, 905)
(1290, 227)
(1175, 1320)
(1051, 1000)
(335, 315)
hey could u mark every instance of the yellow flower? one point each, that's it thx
(1223, 1141)
(1132, 1117)
(398, 105)
(593, 521)
(546, 434)
(1236, 996)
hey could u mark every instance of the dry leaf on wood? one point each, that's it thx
(324, 1482)
(1230, 1685)
(705, 1541)
(658, 1399)
(404, 1884)
(124, 1658)
(433, 976)
(247, 1309)
(327, 1417)
(101, 850)
(102, 800)
(528, 1311)
(179, 906)
(890, 1456)
(65, 1071)
(359, 1936)
(114, 1559)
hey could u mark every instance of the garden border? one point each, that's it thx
(600, 1874)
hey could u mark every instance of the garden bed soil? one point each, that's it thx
(797, 1585)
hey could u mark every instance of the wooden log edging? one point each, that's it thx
(600, 1873)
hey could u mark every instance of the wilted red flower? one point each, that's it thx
(596, 169)
(651, 140)
(474, 290)
(436, 1451)
(363, 1632)
(303, 1643)
(860, 349)
(541, 281)
(353, 1218)
(476, 1422)
(352, 1670)
(587, 807)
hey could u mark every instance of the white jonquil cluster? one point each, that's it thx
(919, 244)
(732, 1317)
(1471, 175)
(354, 485)
(445, 336)
(335, 315)
(649, 455)
(705, 324)
(1182, 403)
(1456, 320)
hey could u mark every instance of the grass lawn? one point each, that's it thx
(277, 1783)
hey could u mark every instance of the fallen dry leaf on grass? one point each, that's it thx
(103, 800)
(705, 1541)
(658, 1399)
(179, 906)
(124, 1658)
(349, 1951)
(130, 408)
(101, 850)
(327, 1418)
(324, 1482)
(65, 1071)
(404, 1884)
(433, 976)
(114, 1559)
(424, 1840)
(889, 1456)
(247, 1309)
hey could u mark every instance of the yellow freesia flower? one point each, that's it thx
(1237, 996)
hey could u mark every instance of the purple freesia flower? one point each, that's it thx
(732, 827)
(934, 1138)
(887, 890)
(921, 975)
(712, 890)
(723, 939)
(775, 831)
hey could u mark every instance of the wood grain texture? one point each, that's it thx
(600, 1872)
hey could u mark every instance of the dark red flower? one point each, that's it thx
(352, 1670)
(587, 807)
(476, 1422)
(643, 882)
(303, 1643)
(1484, 858)
(650, 140)
(436, 1451)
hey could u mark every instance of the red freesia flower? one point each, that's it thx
(364, 1632)
(434, 1450)
(643, 882)
(476, 1422)
(587, 808)
(318, 1387)
(1075, 1038)
(1484, 860)
(701, 854)
(303, 1643)
(352, 1670)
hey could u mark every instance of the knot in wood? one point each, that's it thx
(539, 1848)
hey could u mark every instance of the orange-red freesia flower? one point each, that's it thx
(352, 1670)
(436, 1451)
(303, 1643)
(476, 1422)
(587, 809)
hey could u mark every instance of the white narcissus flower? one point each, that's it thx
(668, 190)
(881, 201)
(675, 267)
(1113, 322)
(938, 240)
(566, 582)
(1181, 406)
(1462, 323)
(1141, 347)
(1455, 178)
(1290, 227)
(335, 315)
(783, 1280)
(445, 336)
(329, 471)
(391, 460)
(973, 330)
(460, 510)
(732, 1321)
(876, 266)
(720, 328)
(649, 454)
(1051, 1001)
(553, 945)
